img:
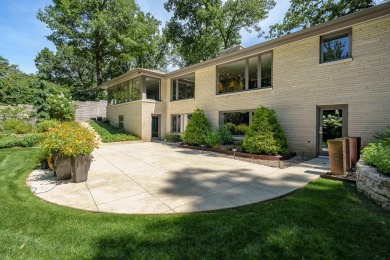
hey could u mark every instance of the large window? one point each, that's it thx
(131, 90)
(336, 47)
(152, 88)
(183, 87)
(179, 122)
(251, 73)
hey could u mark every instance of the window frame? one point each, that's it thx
(183, 122)
(146, 91)
(246, 61)
(222, 113)
(177, 86)
(335, 35)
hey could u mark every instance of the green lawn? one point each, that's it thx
(327, 219)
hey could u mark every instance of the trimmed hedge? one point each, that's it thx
(109, 133)
(198, 127)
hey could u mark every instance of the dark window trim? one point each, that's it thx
(335, 35)
(246, 59)
(177, 84)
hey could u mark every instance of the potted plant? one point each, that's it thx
(70, 145)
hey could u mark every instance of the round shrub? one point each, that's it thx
(18, 126)
(69, 139)
(198, 127)
(172, 137)
(61, 108)
(264, 135)
(213, 139)
(45, 125)
(241, 129)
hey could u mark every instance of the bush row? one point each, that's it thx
(18, 126)
(12, 140)
(109, 133)
(263, 136)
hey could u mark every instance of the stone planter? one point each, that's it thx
(80, 166)
(373, 184)
(62, 167)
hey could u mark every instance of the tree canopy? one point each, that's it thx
(200, 29)
(98, 40)
(308, 13)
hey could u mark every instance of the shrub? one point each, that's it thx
(241, 129)
(384, 136)
(70, 139)
(109, 133)
(172, 137)
(61, 108)
(225, 134)
(231, 127)
(18, 126)
(264, 135)
(198, 127)
(12, 140)
(19, 112)
(213, 139)
(378, 156)
(45, 125)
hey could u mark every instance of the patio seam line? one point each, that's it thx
(92, 198)
(145, 192)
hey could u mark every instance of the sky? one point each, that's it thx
(23, 36)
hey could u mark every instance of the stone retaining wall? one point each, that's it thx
(373, 184)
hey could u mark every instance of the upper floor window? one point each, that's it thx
(251, 73)
(152, 88)
(183, 87)
(336, 47)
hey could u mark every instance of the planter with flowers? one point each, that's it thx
(70, 145)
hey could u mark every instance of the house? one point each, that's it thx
(334, 73)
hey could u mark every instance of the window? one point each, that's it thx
(152, 88)
(336, 47)
(183, 87)
(251, 73)
(121, 122)
(237, 121)
(135, 89)
(179, 122)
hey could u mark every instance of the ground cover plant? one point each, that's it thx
(324, 220)
(109, 133)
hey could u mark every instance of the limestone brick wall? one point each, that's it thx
(132, 116)
(301, 83)
(373, 184)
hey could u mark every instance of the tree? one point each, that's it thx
(198, 127)
(200, 29)
(264, 135)
(16, 87)
(101, 30)
(40, 103)
(308, 13)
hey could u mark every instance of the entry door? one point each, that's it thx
(332, 123)
(155, 127)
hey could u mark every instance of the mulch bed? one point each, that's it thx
(349, 177)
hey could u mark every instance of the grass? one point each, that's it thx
(325, 220)
(109, 133)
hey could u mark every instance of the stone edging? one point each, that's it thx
(373, 184)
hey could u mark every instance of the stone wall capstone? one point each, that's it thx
(373, 184)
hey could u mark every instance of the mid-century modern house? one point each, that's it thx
(339, 69)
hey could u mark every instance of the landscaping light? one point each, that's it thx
(234, 153)
(202, 145)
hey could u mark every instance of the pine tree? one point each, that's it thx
(264, 135)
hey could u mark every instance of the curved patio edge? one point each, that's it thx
(152, 178)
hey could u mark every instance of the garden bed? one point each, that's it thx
(242, 154)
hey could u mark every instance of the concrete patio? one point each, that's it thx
(153, 178)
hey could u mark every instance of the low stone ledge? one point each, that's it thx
(373, 184)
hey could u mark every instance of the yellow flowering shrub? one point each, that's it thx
(70, 139)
